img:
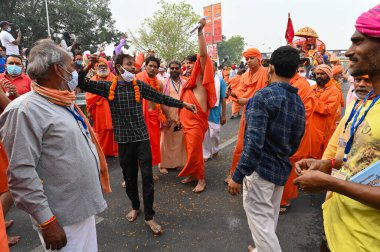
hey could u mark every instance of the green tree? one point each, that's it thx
(91, 21)
(167, 31)
(231, 48)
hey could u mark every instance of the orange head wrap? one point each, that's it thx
(337, 69)
(325, 68)
(252, 52)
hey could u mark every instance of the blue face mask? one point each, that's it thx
(14, 70)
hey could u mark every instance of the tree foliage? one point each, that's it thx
(231, 48)
(91, 21)
(167, 31)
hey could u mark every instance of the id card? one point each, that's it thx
(342, 142)
(338, 174)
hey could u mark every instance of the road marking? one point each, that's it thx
(41, 248)
(228, 142)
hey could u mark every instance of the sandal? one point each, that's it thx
(153, 225)
(132, 215)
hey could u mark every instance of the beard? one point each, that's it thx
(321, 81)
(103, 74)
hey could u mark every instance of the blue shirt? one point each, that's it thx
(215, 112)
(275, 124)
(2, 64)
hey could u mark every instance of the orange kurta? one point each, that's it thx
(102, 120)
(3, 170)
(173, 152)
(327, 102)
(152, 121)
(249, 85)
(307, 96)
(234, 85)
(195, 125)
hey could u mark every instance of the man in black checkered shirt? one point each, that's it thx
(130, 130)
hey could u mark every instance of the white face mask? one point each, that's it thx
(302, 74)
(9, 29)
(73, 83)
(127, 76)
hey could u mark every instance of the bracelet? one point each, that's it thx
(332, 163)
(46, 223)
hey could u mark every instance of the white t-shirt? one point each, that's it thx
(6, 40)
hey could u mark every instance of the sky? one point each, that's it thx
(262, 23)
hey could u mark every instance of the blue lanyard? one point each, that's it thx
(79, 118)
(353, 111)
(354, 125)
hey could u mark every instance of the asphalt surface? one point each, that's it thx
(210, 221)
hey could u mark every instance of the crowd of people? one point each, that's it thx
(296, 131)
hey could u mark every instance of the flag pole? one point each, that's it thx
(47, 18)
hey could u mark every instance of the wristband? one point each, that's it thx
(46, 223)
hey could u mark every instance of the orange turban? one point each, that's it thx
(252, 52)
(337, 69)
(325, 68)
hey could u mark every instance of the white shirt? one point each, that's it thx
(6, 40)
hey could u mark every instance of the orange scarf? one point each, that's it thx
(153, 82)
(66, 98)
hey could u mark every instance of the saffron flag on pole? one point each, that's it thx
(289, 34)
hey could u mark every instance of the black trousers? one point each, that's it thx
(131, 156)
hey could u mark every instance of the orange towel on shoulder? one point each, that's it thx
(195, 125)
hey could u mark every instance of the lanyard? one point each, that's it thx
(354, 125)
(79, 118)
(179, 85)
(353, 111)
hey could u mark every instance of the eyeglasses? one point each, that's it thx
(174, 68)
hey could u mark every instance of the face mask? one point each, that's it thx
(73, 83)
(79, 62)
(9, 29)
(127, 76)
(14, 70)
(303, 74)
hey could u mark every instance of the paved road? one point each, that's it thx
(211, 221)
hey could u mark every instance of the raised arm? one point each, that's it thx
(96, 87)
(202, 44)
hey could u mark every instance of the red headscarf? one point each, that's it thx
(368, 23)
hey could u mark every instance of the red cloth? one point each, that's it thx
(195, 125)
(3, 170)
(102, 120)
(154, 136)
(368, 23)
(22, 83)
(289, 34)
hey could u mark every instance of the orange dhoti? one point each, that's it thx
(239, 144)
(290, 190)
(194, 129)
(154, 135)
(3, 170)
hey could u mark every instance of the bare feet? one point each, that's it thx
(156, 177)
(188, 180)
(123, 184)
(229, 177)
(13, 240)
(251, 248)
(163, 171)
(132, 215)
(9, 224)
(201, 186)
(153, 225)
